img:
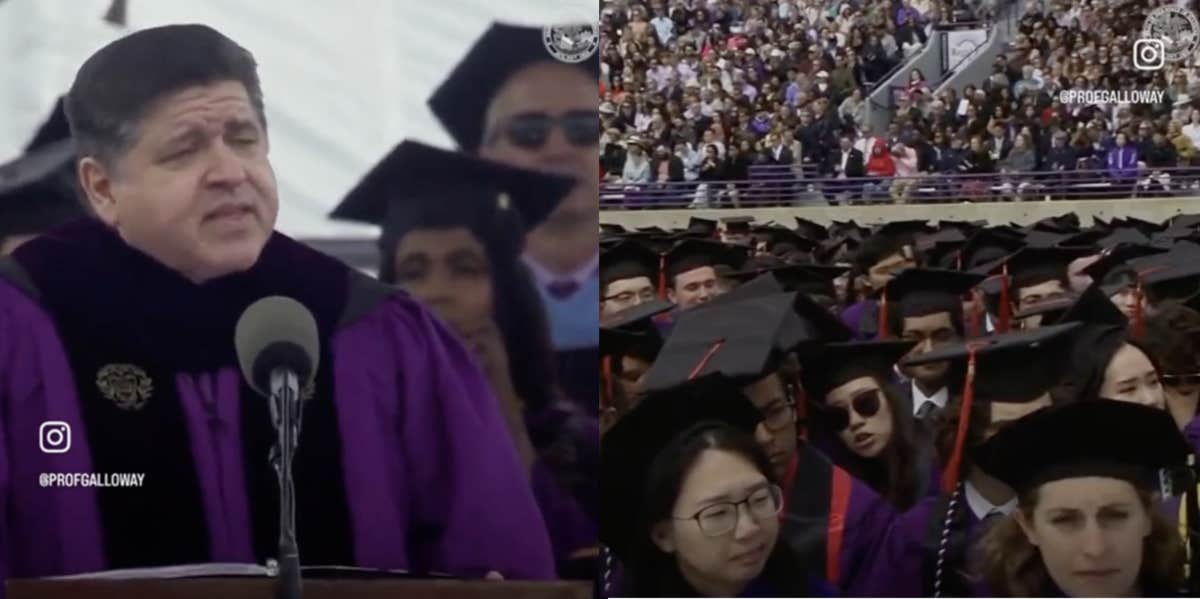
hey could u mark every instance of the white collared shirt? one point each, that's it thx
(938, 399)
(545, 278)
(982, 507)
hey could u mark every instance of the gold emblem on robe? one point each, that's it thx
(126, 385)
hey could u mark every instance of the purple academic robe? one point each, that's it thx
(903, 564)
(431, 479)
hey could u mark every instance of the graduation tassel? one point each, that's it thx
(883, 316)
(1005, 308)
(976, 325)
(951, 475)
(606, 397)
(662, 277)
(704, 361)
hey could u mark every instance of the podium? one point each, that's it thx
(255, 588)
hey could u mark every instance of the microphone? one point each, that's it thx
(278, 350)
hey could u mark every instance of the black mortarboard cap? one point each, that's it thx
(1010, 367)
(838, 251)
(839, 363)
(629, 448)
(1145, 226)
(627, 260)
(738, 224)
(987, 247)
(701, 226)
(461, 101)
(1185, 221)
(784, 241)
(810, 279)
(38, 190)
(55, 128)
(742, 338)
(612, 229)
(690, 254)
(1092, 306)
(810, 229)
(923, 291)
(630, 332)
(1034, 265)
(1081, 439)
(1114, 271)
(417, 184)
(902, 227)
(1066, 223)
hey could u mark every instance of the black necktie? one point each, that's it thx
(925, 410)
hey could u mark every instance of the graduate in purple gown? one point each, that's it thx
(860, 420)
(452, 231)
(926, 550)
(675, 474)
(831, 520)
(1088, 522)
(526, 97)
(122, 330)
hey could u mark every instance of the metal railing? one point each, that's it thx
(801, 185)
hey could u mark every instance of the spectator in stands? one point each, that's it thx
(999, 145)
(1192, 129)
(846, 163)
(916, 82)
(1162, 160)
(977, 161)
(664, 27)
(637, 166)
(1060, 159)
(905, 159)
(1020, 160)
(1184, 147)
(1122, 164)
(880, 169)
(712, 168)
(910, 35)
(667, 167)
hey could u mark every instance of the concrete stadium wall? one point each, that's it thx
(1151, 209)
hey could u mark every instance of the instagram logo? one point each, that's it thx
(1148, 54)
(54, 437)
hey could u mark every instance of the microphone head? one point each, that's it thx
(277, 332)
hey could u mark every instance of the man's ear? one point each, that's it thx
(96, 182)
(671, 296)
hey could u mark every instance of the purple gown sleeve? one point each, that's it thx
(1192, 433)
(868, 517)
(471, 498)
(570, 528)
(895, 570)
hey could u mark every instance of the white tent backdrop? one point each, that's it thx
(344, 81)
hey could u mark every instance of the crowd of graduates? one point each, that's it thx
(912, 409)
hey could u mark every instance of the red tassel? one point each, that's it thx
(606, 398)
(951, 475)
(883, 316)
(1005, 307)
(662, 277)
(976, 326)
(704, 361)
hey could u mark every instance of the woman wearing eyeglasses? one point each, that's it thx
(689, 506)
(866, 427)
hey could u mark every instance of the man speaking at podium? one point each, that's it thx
(121, 330)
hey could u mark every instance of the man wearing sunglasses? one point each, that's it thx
(511, 100)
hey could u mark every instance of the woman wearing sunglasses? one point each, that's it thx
(861, 419)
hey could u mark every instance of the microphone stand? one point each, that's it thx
(285, 414)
